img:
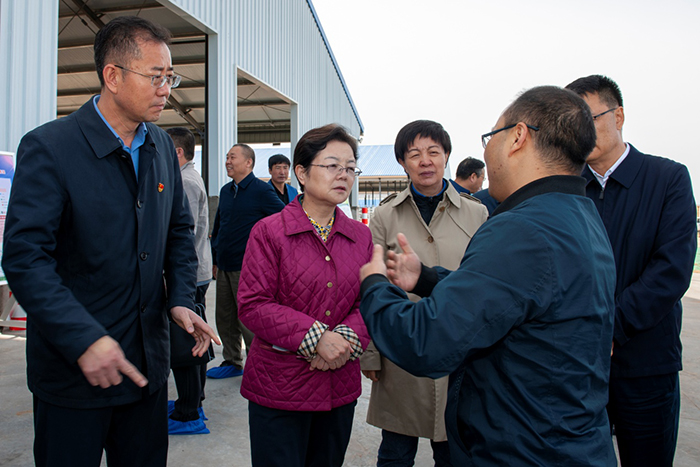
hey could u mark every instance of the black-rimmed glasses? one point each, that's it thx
(595, 117)
(486, 137)
(157, 81)
(337, 169)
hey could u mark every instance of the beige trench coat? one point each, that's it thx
(400, 402)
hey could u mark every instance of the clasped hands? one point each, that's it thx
(332, 352)
(402, 269)
(104, 362)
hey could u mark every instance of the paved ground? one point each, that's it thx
(228, 445)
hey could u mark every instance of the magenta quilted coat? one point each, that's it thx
(290, 279)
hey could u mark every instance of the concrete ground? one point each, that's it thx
(228, 443)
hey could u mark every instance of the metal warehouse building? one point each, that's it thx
(254, 71)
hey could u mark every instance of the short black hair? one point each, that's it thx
(316, 140)
(278, 159)
(608, 91)
(183, 138)
(470, 166)
(118, 41)
(566, 133)
(247, 152)
(424, 128)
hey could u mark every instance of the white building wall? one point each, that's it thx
(278, 43)
(29, 44)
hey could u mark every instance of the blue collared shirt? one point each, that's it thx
(139, 138)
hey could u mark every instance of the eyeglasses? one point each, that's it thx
(337, 169)
(595, 117)
(487, 137)
(158, 81)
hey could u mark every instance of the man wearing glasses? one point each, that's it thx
(97, 226)
(647, 206)
(522, 326)
(242, 203)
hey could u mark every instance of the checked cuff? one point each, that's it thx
(307, 348)
(350, 336)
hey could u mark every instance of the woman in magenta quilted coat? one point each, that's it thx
(299, 295)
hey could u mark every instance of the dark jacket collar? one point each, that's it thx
(296, 221)
(567, 184)
(100, 137)
(246, 181)
(625, 173)
(103, 142)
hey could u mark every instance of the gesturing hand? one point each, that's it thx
(196, 326)
(104, 363)
(334, 349)
(403, 269)
(376, 264)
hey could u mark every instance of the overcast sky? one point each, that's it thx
(462, 62)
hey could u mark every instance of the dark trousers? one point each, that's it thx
(230, 328)
(397, 450)
(132, 435)
(299, 439)
(645, 412)
(190, 380)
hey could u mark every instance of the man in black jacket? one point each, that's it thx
(647, 206)
(97, 225)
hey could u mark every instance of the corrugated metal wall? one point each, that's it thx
(29, 44)
(275, 41)
(279, 43)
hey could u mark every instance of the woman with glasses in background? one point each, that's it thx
(300, 296)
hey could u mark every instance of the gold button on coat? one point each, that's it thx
(328, 312)
(330, 284)
(328, 258)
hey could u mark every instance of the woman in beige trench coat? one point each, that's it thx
(439, 223)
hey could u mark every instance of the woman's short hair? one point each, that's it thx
(316, 140)
(424, 128)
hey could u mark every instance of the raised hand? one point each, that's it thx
(403, 269)
(376, 264)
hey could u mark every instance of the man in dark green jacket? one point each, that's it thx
(523, 326)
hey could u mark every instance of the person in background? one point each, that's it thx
(97, 227)
(439, 223)
(647, 206)
(523, 326)
(299, 295)
(242, 202)
(185, 414)
(278, 166)
(487, 200)
(470, 176)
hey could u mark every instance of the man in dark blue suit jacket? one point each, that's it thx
(647, 206)
(97, 226)
(242, 203)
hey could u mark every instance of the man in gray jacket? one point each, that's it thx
(184, 414)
